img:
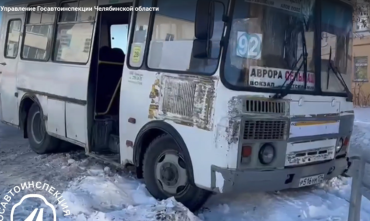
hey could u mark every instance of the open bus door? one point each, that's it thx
(10, 38)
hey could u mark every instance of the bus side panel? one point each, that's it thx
(65, 86)
(8, 68)
(53, 110)
(56, 117)
(137, 102)
(133, 104)
(76, 125)
(63, 83)
(66, 81)
(2, 47)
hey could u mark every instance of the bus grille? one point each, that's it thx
(265, 130)
(264, 106)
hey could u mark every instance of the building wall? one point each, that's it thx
(361, 55)
(361, 70)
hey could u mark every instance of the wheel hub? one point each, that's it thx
(38, 128)
(169, 174)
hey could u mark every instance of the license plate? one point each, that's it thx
(303, 157)
(311, 180)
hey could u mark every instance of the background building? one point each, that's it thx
(361, 55)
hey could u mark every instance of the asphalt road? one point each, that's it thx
(18, 164)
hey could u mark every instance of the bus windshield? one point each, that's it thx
(265, 44)
(336, 44)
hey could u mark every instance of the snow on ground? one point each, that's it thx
(98, 192)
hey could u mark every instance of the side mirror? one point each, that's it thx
(202, 48)
(204, 19)
(204, 22)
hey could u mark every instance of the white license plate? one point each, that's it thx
(311, 180)
(302, 157)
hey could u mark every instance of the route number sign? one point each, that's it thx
(249, 45)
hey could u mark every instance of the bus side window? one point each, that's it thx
(173, 39)
(118, 37)
(12, 39)
(37, 40)
(74, 33)
(140, 26)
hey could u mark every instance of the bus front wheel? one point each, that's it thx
(166, 174)
(40, 141)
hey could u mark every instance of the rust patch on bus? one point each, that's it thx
(235, 109)
(235, 106)
(154, 98)
(184, 99)
(233, 131)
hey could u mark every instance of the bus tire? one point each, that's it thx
(165, 174)
(40, 141)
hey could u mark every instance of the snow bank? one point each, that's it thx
(166, 210)
(105, 196)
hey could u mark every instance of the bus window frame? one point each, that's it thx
(317, 54)
(329, 93)
(7, 38)
(110, 31)
(55, 33)
(144, 64)
(51, 39)
(131, 37)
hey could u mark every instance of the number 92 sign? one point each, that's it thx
(249, 45)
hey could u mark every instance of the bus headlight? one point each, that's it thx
(339, 145)
(267, 154)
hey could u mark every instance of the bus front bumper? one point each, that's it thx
(228, 180)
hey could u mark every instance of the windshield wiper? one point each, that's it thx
(339, 77)
(284, 92)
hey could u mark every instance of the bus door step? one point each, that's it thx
(101, 134)
(114, 143)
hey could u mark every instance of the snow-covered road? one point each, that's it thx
(94, 191)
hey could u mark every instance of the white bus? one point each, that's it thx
(207, 97)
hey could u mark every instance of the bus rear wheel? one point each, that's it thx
(166, 174)
(40, 141)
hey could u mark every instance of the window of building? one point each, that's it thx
(362, 17)
(119, 36)
(173, 38)
(360, 69)
(74, 33)
(37, 39)
(12, 38)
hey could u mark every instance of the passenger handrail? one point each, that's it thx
(111, 63)
(359, 184)
(111, 100)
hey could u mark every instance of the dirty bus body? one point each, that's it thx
(197, 101)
